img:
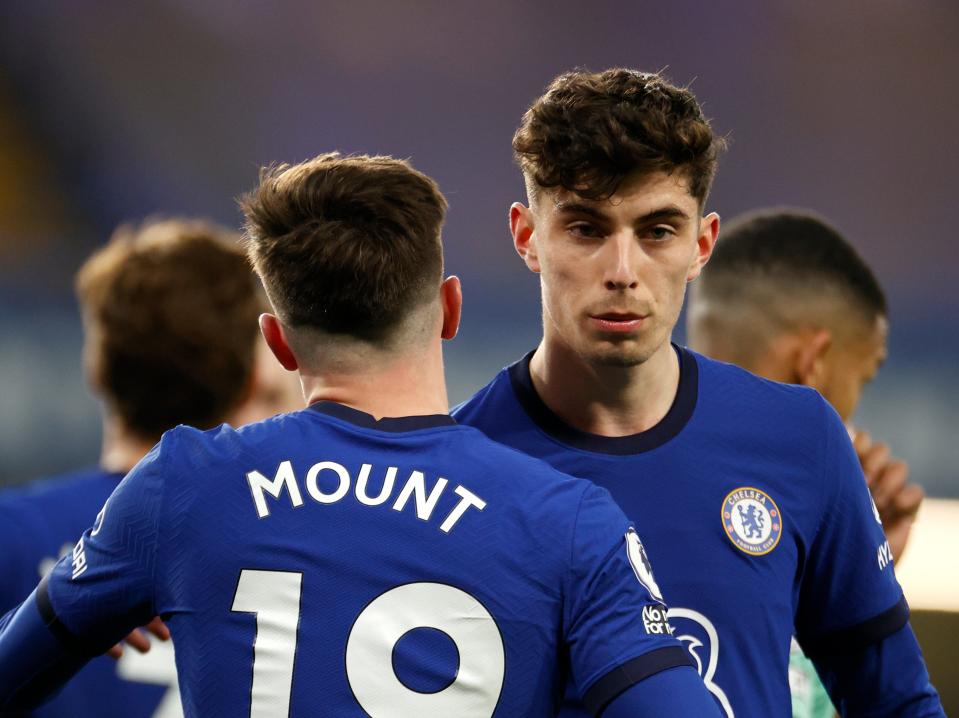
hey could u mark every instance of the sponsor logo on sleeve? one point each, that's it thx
(655, 620)
(752, 521)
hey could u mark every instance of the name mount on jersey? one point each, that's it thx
(414, 487)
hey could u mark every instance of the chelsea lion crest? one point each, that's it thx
(752, 520)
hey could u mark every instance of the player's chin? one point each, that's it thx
(618, 353)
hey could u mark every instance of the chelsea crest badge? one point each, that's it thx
(752, 520)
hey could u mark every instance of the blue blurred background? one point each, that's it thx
(110, 111)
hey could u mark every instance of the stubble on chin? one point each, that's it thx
(619, 357)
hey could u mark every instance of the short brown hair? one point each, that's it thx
(347, 245)
(590, 130)
(171, 310)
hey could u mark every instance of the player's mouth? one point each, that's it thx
(617, 322)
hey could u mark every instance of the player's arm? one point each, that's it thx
(34, 662)
(624, 658)
(672, 692)
(852, 620)
(90, 600)
(879, 679)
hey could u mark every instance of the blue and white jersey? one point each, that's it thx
(41, 522)
(327, 563)
(751, 504)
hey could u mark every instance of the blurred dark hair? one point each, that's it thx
(170, 311)
(590, 130)
(791, 245)
(348, 245)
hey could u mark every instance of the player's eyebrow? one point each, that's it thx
(664, 213)
(670, 212)
(573, 207)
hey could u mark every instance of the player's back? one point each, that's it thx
(324, 563)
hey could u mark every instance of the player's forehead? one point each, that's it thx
(656, 194)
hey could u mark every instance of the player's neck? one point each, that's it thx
(602, 399)
(122, 448)
(408, 386)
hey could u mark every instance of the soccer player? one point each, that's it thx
(366, 556)
(788, 298)
(747, 493)
(170, 313)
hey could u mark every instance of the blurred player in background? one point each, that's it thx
(170, 320)
(788, 298)
(365, 556)
(747, 493)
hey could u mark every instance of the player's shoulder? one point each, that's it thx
(61, 490)
(525, 479)
(487, 399)
(726, 387)
(221, 443)
(40, 518)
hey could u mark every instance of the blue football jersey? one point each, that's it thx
(752, 505)
(327, 563)
(41, 522)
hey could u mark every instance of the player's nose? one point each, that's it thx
(619, 262)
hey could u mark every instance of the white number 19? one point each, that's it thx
(274, 596)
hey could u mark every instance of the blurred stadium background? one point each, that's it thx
(110, 111)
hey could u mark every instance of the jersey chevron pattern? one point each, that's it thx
(41, 522)
(752, 506)
(328, 563)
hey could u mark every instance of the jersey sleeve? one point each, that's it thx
(886, 679)
(849, 596)
(615, 617)
(105, 587)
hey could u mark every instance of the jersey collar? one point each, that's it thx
(676, 418)
(387, 423)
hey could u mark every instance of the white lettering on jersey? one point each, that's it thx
(79, 560)
(283, 478)
(467, 499)
(416, 486)
(884, 555)
(424, 502)
(692, 643)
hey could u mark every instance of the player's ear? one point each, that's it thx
(451, 295)
(276, 339)
(811, 359)
(521, 226)
(705, 242)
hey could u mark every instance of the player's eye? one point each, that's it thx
(660, 232)
(584, 229)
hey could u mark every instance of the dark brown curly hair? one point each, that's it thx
(590, 130)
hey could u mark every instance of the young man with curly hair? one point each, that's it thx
(366, 556)
(748, 493)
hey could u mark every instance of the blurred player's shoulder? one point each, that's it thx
(41, 521)
(44, 504)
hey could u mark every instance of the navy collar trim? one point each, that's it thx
(676, 418)
(387, 423)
